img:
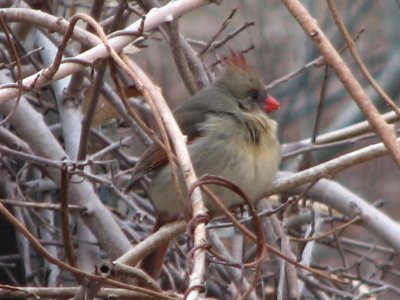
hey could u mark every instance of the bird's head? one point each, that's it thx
(244, 85)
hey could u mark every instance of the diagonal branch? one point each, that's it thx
(357, 58)
(310, 26)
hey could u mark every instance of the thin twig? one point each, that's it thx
(66, 235)
(219, 31)
(19, 70)
(90, 112)
(358, 59)
(318, 62)
(327, 233)
(51, 206)
(230, 36)
(320, 104)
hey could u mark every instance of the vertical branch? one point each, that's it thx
(87, 120)
(73, 90)
(320, 105)
(96, 87)
(66, 236)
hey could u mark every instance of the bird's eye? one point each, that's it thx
(254, 94)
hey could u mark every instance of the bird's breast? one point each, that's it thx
(226, 148)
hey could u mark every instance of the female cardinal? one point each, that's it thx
(229, 135)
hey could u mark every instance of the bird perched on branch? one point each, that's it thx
(229, 134)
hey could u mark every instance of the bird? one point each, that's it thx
(229, 134)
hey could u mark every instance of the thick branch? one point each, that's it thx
(338, 197)
(154, 18)
(328, 168)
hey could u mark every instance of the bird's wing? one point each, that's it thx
(189, 116)
(153, 158)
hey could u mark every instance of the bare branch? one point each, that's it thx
(309, 25)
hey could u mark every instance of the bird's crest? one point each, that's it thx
(237, 60)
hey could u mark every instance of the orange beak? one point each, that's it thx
(270, 104)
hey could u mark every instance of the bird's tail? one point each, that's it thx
(153, 262)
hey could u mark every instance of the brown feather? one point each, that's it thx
(153, 158)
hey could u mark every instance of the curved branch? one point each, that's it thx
(338, 197)
(154, 18)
